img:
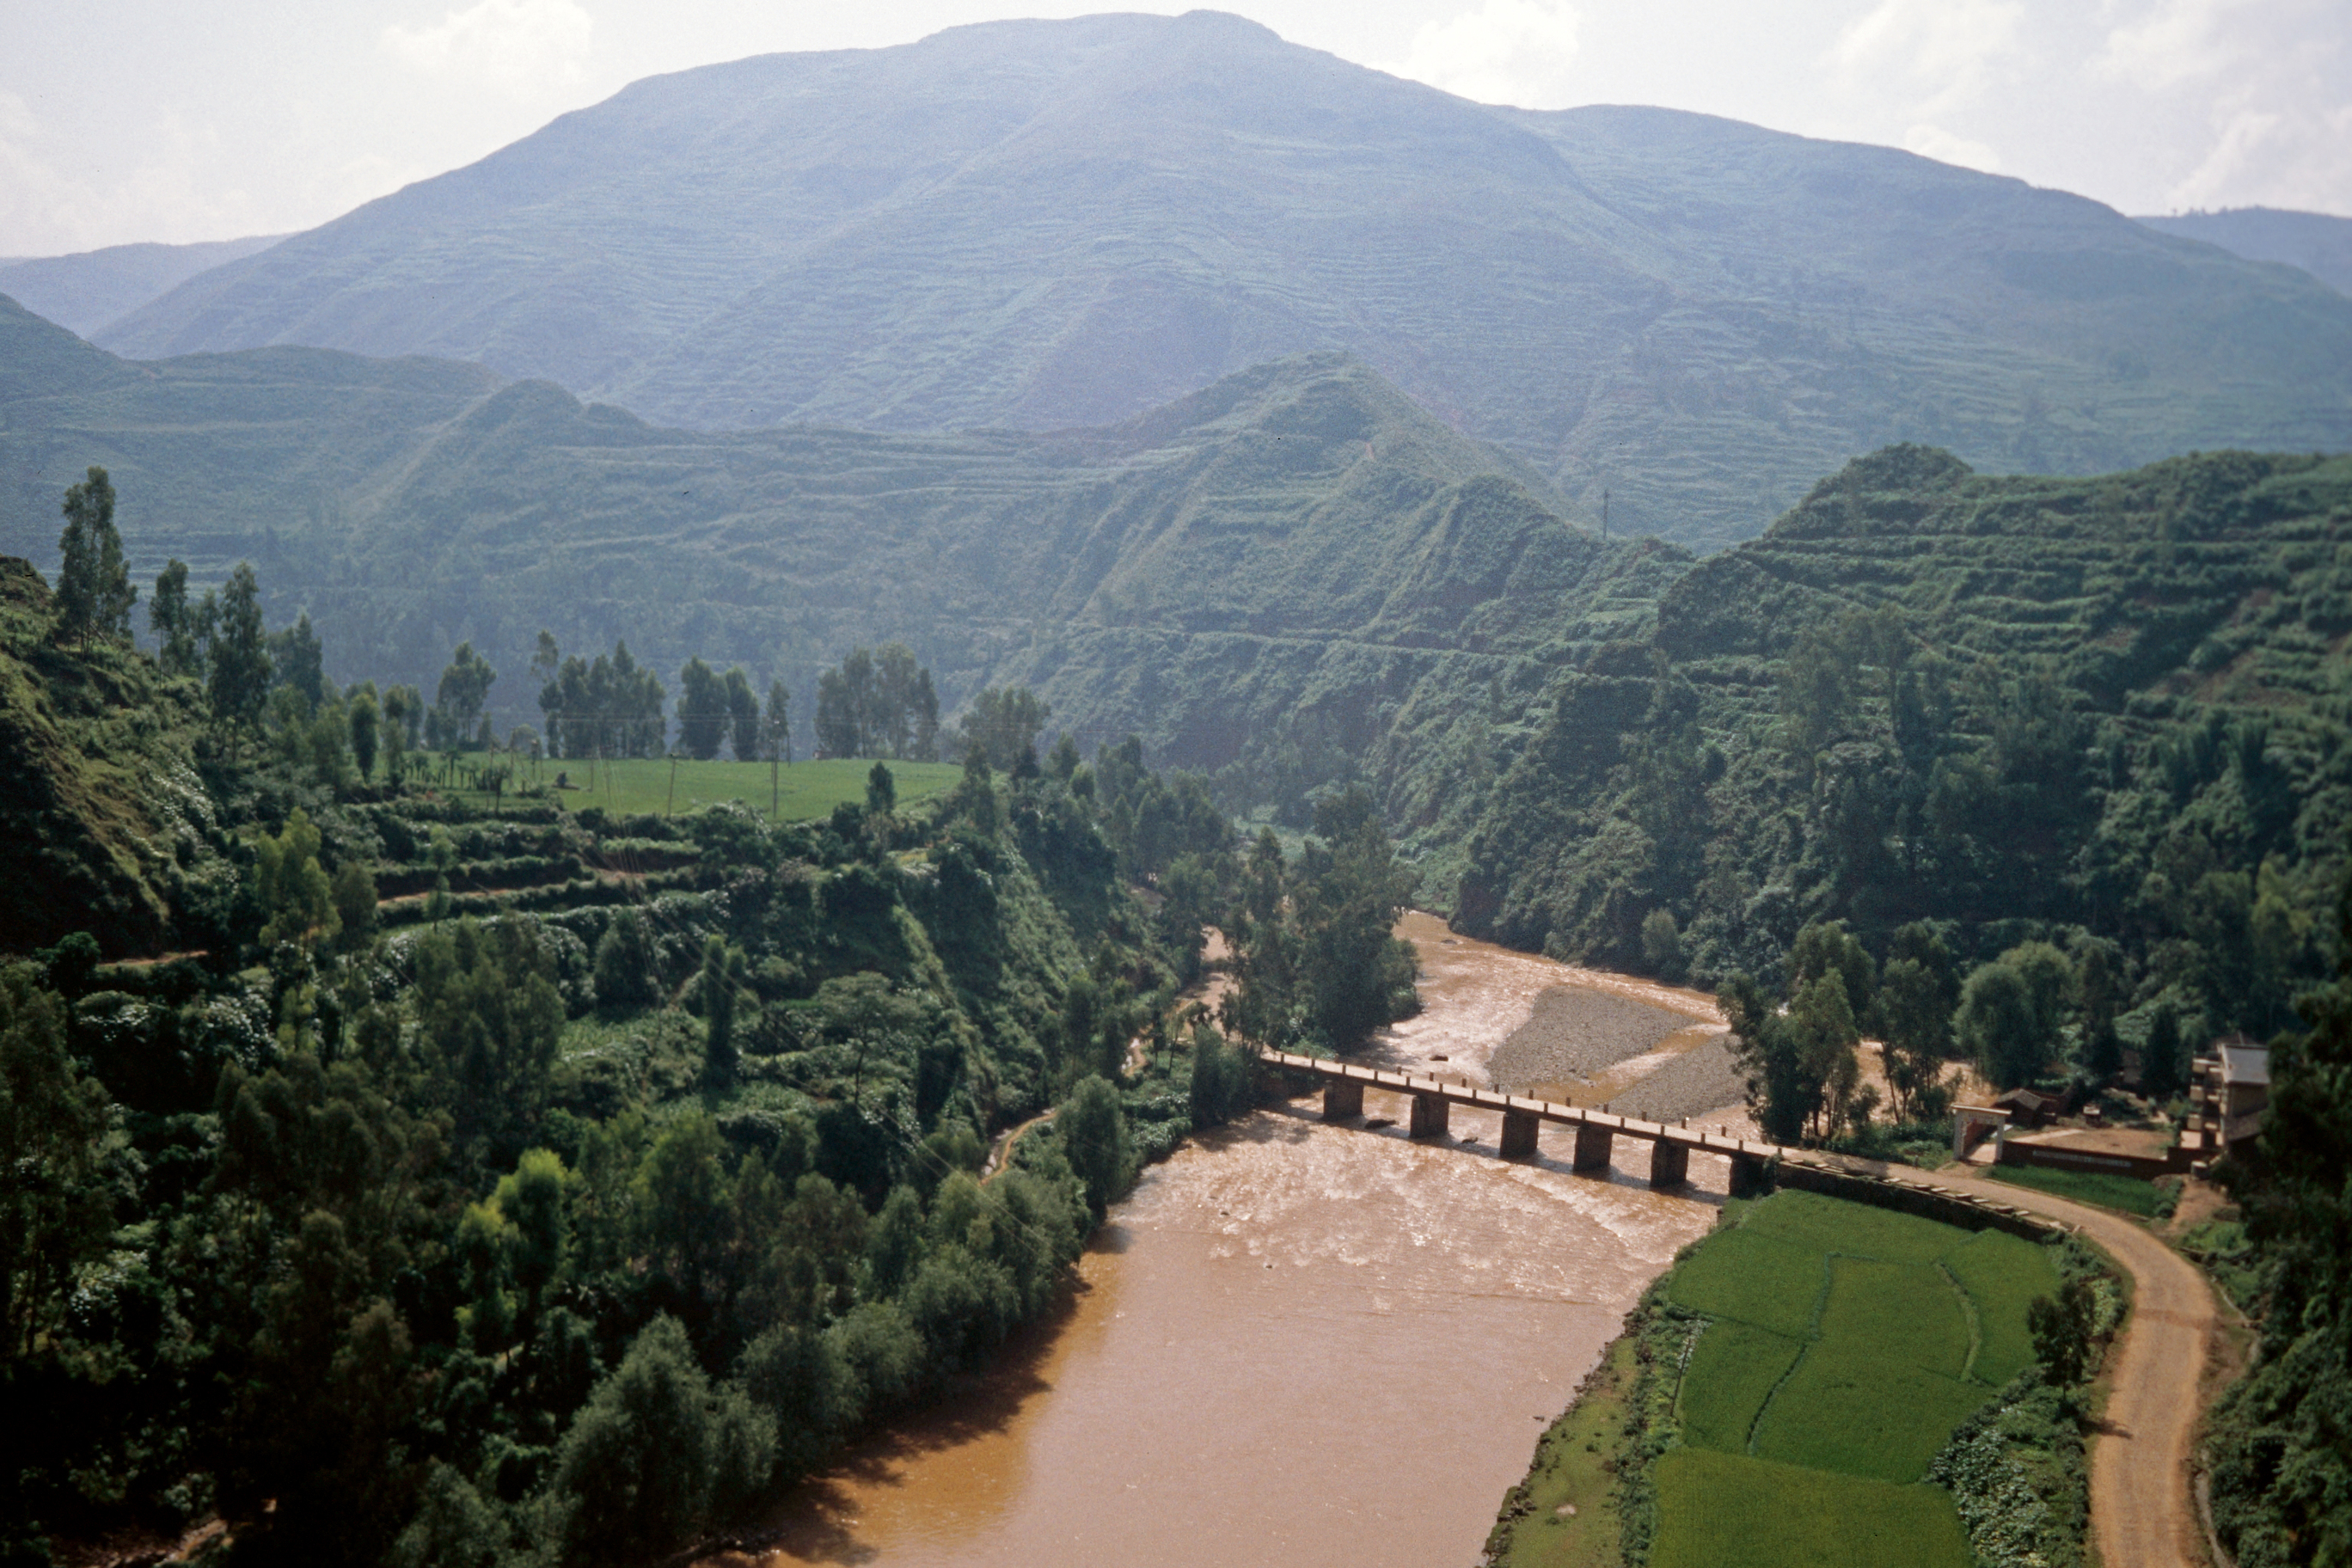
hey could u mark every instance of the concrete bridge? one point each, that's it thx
(1597, 1131)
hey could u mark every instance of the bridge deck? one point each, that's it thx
(1544, 1109)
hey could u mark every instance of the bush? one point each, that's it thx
(658, 1454)
(1220, 1078)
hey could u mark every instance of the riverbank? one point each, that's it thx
(1815, 1383)
(1296, 1340)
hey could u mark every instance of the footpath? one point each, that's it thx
(2142, 1511)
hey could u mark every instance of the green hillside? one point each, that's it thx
(2010, 703)
(1039, 225)
(1293, 573)
(101, 812)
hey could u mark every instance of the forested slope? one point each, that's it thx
(1044, 224)
(1262, 577)
(2014, 705)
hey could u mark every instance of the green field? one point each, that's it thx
(2001, 1274)
(1848, 1410)
(803, 791)
(1898, 1311)
(1733, 1371)
(1752, 1278)
(1722, 1510)
(2104, 1188)
(1849, 1342)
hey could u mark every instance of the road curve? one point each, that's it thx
(2142, 1512)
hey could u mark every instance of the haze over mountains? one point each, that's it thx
(90, 288)
(2319, 243)
(1259, 577)
(1056, 223)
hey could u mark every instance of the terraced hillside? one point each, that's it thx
(1047, 224)
(1289, 574)
(1929, 693)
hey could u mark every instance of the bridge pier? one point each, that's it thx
(1746, 1175)
(1669, 1163)
(1592, 1147)
(1343, 1099)
(1519, 1135)
(1430, 1113)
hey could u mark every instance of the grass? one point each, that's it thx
(1752, 1278)
(804, 790)
(2001, 1274)
(1854, 1230)
(1898, 1311)
(2105, 1188)
(1725, 1510)
(1576, 1465)
(1733, 1371)
(1848, 1343)
(1861, 1414)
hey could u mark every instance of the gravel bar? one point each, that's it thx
(1575, 1032)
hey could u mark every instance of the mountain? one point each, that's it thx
(90, 288)
(1260, 577)
(2006, 704)
(2319, 243)
(1039, 225)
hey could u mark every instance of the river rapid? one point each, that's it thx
(1296, 1343)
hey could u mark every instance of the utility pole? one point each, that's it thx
(671, 809)
(1604, 514)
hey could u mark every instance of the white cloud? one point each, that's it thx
(1948, 50)
(2169, 44)
(520, 46)
(2263, 158)
(1508, 51)
(1935, 141)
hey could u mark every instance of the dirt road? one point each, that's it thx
(2142, 1513)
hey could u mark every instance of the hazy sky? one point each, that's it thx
(130, 120)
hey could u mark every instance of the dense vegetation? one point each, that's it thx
(2280, 1452)
(503, 1183)
(1997, 715)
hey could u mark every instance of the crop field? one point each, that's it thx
(801, 791)
(1723, 1510)
(1852, 1230)
(1733, 1371)
(1848, 1342)
(2001, 1274)
(2104, 1188)
(1898, 1311)
(1752, 1278)
(1862, 1415)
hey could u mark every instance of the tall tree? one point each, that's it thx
(458, 701)
(365, 720)
(742, 716)
(94, 594)
(701, 709)
(173, 621)
(297, 662)
(1006, 720)
(237, 655)
(776, 724)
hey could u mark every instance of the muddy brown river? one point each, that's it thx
(1295, 1343)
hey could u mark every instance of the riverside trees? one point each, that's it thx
(564, 1231)
(1317, 961)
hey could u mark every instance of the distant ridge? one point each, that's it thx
(91, 288)
(2319, 243)
(1039, 225)
(1253, 577)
